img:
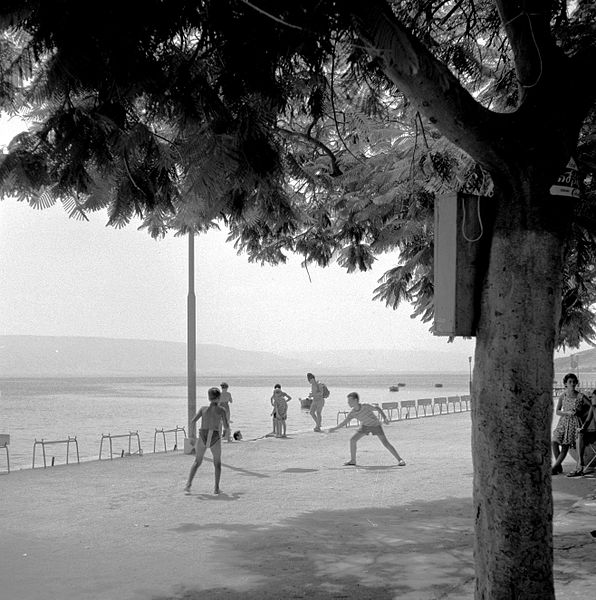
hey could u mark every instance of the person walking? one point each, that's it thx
(209, 436)
(369, 423)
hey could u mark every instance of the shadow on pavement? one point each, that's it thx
(420, 551)
(414, 552)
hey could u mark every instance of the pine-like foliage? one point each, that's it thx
(270, 117)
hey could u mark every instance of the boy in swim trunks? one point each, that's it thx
(369, 423)
(209, 436)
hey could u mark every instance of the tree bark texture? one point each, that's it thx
(521, 297)
(512, 411)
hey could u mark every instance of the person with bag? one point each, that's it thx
(319, 391)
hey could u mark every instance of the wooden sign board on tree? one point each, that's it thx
(463, 228)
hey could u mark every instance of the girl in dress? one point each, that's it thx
(569, 406)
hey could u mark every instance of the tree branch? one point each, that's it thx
(527, 25)
(581, 66)
(306, 136)
(430, 85)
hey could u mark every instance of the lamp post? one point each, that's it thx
(191, 347)
(470, 364)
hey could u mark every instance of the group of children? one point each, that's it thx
(216, 416)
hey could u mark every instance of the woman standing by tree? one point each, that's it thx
(569, 406)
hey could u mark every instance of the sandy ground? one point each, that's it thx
(292, 523)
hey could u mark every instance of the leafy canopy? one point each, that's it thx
(272, 117)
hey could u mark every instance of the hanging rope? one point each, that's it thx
(463, 223)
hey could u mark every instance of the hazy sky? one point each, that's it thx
(61, 277)
(66, 277)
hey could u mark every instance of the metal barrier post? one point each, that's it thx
(43, 443)
(4, 441)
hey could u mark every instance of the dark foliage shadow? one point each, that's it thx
(240, 470)
(414, 551)
(299, 470)
(378, 553)
(221, 497)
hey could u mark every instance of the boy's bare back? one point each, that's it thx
(212, 417)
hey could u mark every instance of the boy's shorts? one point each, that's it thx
(317, 404)
(204, 437)
(374, 429)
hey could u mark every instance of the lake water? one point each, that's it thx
(56, 408)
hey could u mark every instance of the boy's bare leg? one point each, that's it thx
(353, 444)
(216, 452)
(200, 453)
(319, 416)
(559, 457)
(389, 447)
(316, 412)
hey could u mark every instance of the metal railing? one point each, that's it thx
(130, 435)
(163, 432)
(43, 443)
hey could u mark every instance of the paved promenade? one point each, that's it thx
(292, 523)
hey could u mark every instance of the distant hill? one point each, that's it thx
(586, 362)
(47, 356)
(386, 360)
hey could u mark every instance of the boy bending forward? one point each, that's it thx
(209, 436)
(369, 423)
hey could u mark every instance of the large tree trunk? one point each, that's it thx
(512, 409)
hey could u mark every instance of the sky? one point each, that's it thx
(64, 277)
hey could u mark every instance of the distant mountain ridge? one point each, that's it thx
(379, 360)
(55, 356)
(48, 356)
(584, 361)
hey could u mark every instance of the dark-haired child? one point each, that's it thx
(369, 423)
(209, 436)
(279, 401)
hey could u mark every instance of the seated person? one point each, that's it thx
(586, 434)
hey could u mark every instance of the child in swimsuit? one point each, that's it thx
(224, 401)
(279, 400)
(369, 423)
(209, 436)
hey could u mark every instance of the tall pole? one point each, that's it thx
(470, 363)
(191, 344)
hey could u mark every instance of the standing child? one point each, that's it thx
(318, 391)
(224, 401)
(369, 423)
(209, 436)
(569, 407)
(279, 400)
